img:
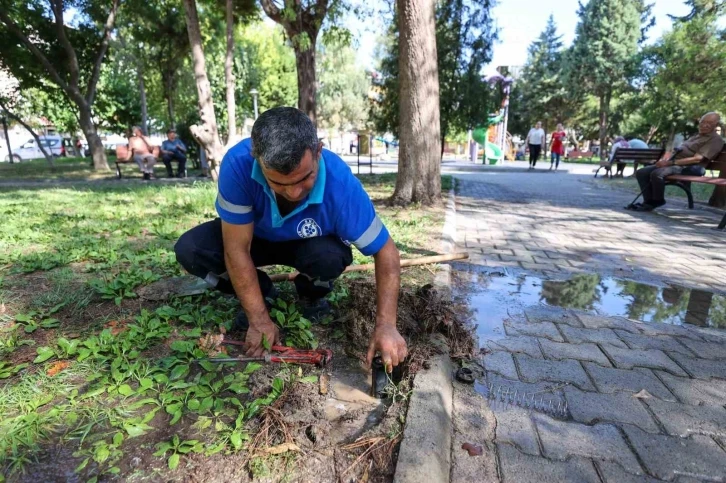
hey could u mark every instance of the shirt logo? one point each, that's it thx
(308, 228)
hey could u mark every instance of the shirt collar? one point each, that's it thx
(315, 196)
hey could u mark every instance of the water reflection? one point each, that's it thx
(639, 301)
(494, 297)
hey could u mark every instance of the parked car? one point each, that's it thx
(30, 149)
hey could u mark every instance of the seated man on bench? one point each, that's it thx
(173, 149)
(688, 159)
(141, 149)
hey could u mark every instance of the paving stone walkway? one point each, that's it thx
(562, 223)
(598, 399)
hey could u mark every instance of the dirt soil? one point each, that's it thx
(333, 429)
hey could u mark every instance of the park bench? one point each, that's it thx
(625, 156)
(579, 155)
(122, 153)
(684, 181)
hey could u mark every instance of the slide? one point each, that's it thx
(492, 152)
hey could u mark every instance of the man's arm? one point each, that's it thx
(386, 338)
(180, 146)
(243, 275)
(697, 158)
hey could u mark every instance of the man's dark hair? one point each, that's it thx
(280, 138)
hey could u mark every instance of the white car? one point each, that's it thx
(29, 150)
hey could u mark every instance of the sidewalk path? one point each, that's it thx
(645, 402)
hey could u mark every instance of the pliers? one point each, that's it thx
(279, 353)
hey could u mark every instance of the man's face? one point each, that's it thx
(707, 124)
(298, 184)
(171, 136)
(137, 132)
(539, 125)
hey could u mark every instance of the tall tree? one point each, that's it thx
(464, 37)
(543, 86)
(343, 89)
(229, 71)
(32, 34)
(419, 167)
(301, 20)
(682, 77)
(206, 133)
(606, 41)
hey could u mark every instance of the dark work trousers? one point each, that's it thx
(320, 260)
(652, 182)
(534, 151)
(175, 156)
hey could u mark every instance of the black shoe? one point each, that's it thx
(645, 207)
(633, 206)
(242, 323)
(314, 309)
(147, 176)
(170, 174)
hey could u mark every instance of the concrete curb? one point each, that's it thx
(448, 242)
(425, 453)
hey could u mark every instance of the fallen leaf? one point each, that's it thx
(210, 343)
(56, 367)
(324, 383)
(473, 449)
(643, 394)
(282, 448)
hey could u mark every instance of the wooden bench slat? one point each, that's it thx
(697, 179)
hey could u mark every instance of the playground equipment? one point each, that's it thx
(493, 136)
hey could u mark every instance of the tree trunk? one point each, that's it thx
(604, 110)
(306, 82)
(170, 110)
(142, 98)
(17, 118)
(229, 74)
(94, 140)
(419, 165)
(7, 140)
(206, 134)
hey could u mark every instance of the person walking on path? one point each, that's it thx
(558, 146)
(535, 140)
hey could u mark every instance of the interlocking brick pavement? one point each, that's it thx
(646, 402)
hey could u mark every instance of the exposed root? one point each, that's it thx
(377, 450)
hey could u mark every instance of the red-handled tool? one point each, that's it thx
(279, 353)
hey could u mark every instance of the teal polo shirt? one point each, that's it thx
(337, 205)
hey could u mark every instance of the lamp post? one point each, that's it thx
(254, 100)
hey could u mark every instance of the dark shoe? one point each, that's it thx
(182, 175)
(170, 174)
(633, 206)
(241, 323)
(147, 176)
(314, 309)
(645, 207)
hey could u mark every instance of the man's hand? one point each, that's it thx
(255, 333)
(390, 344)
(664, 163)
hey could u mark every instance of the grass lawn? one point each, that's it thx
(96, 382)
(75, 169)
(701, 192)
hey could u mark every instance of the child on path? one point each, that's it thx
(558, 146)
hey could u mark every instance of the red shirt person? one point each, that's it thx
(558, 146)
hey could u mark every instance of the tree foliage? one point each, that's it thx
(343, 87)
(464, 37)
(545, 95)
(602, 56)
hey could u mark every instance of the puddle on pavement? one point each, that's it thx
(494, 296)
